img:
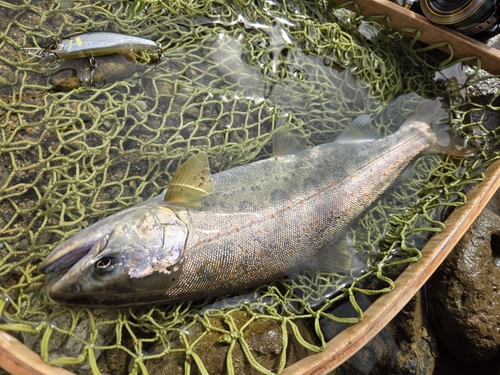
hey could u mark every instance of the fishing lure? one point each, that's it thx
(93, 44)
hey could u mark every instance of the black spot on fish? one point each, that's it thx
(279, 196)
(286, 179)
(247, 206)
(310, 184)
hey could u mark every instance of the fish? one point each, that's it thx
(208, 235)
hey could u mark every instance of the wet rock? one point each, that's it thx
(113, 361)
(141, 104)
(7, 217)
(406, 346)
(44, 238)
(378, 356)
(463, 294)
(417, 348)
(61, 344)
(22, 245)
(263, 337)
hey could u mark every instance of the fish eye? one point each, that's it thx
(53, 46)
(105, 265)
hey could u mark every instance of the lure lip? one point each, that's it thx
(45, 55)
(33, 51)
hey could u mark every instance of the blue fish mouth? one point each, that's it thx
(69, 252)
(66, 261)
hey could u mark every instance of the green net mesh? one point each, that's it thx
(231, 73)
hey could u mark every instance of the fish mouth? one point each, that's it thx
(69, 252)
(70, 290)
(72, 294)
(50, 265)
(86, 300)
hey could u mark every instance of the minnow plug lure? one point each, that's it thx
(90, 45)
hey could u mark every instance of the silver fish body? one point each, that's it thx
(97, 44)
(262, 220)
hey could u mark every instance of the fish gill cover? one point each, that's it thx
(230, 75)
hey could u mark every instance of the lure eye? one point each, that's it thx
(105, 265)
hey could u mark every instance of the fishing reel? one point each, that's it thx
(479, 19)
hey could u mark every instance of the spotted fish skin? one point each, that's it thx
(262, 220)
(272, 215)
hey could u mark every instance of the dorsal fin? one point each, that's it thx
(359, 130)
(192, 182)
(288, 141)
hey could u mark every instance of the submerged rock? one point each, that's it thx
(405, 346)
(464, 302)
(417, 349)
(61, 345)
(71, 74)
(263, 338)
(378, 356)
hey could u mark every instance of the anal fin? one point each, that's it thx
(339, 257)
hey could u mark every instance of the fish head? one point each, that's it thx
(50, 54)
(54, 48)
(132, 263)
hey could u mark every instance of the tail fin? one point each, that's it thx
(432, 113)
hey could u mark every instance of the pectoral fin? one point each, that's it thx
(287, 142)
(192, 182)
